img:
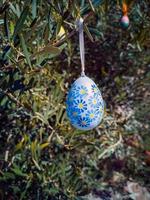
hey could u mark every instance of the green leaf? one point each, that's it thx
(91, 5)
(88, 33)
(44, 145)
(61, 33)
(19, 145)
(25, 50)
(16, 169)
(7, 175)
(1, 21)
(58, 29)
(34, 147)
(14, 9)
(96, 32)
(34, 8)
(25, 191)
(95, 4)
(11, 26)
(48, 49)
(20, 22)
(6, 26)
(36, 164)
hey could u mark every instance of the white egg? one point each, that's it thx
(85, 106)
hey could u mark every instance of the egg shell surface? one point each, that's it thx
(125, 21)
(84, 105)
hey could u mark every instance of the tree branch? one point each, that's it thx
(69, 35)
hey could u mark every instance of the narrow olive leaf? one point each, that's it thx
(19, 145)
(61, 33)
(130, 3)
(18, 171)
(25, 190)
(7, 175)
(138, 46)
(82, 3)
(3, 7)
(6, 26)
(25, 50)
(36, 164)
(11, 26)
(14, 10)
(21, 20)
(46, 35)
(106, 5)
(88, 33)
(1, 21)
(96, 32)
(91, 5)
(95, 3)
(34, 8)
(59, 25)
(48, 49)
(44, 145)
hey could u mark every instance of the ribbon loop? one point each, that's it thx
(80, 27)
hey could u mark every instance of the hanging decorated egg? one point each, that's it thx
(85, 106)
(125, 21)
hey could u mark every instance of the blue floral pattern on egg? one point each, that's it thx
(85, 106)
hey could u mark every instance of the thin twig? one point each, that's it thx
(11, 97)
(112, 147)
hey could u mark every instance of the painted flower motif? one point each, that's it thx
(92, 115)
(70, 99)
(83, 122)
(74, 113)
(95, 89)
(99, 109)
(94, 102)
(81, 91)
(73, 85)
(73, 92)
(74, 116)
(83, 114)
(81, 105)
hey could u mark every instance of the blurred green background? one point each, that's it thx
(41, 155)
